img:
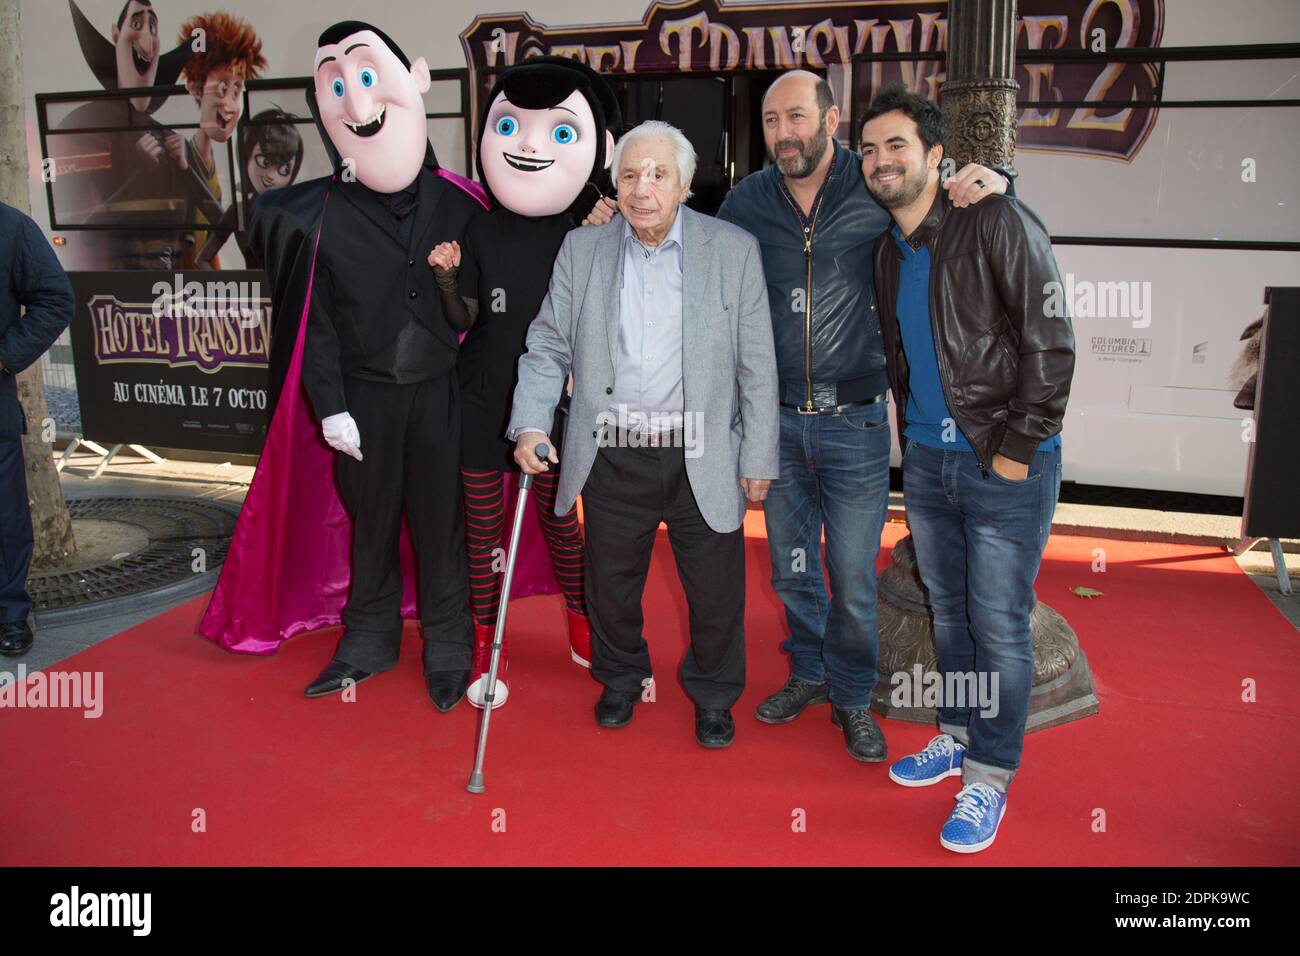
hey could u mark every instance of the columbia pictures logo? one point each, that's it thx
(1120, 348)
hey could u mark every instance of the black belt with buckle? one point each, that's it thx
(832, 409)
(645, 438)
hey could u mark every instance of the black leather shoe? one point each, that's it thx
(714, 728)
(788, 702)
(446, 688)
(16, 638)
(862, 736)
(614, 709)
(332, 677)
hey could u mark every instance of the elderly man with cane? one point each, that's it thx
(662, 317)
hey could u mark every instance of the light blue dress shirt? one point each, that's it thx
(648, 369)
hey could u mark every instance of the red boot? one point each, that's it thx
(482, 662)
(579, 637)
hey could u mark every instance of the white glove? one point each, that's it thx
(341, 434)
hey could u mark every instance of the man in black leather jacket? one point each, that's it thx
(815, 222)
(980, 356)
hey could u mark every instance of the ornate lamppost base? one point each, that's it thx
(1063, 689)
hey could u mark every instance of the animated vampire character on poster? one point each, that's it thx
(127, 169)
(346, 260)
(545, 144)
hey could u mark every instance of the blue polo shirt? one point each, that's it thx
(929, 420)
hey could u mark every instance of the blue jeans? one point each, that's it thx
(979, 541)
(834, 477)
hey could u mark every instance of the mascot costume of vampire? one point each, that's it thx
(545, 144)
(366, 340)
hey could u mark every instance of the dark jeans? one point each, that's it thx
(15, 534)
(834, 477)
(979, 541)
(629, 491)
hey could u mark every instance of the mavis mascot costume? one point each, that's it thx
(544, 148)
(362, 334)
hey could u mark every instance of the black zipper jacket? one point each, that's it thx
(819, 283)
(1001, 334)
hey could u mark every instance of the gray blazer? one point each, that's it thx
(728, 360)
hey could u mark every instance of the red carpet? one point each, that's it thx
(1185, 771)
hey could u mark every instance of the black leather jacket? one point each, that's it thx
(823, 301)
(1005, 347)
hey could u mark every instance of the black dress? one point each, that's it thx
(506, 261)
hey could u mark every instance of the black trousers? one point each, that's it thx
(629, 491)
(410, 449)
(15, 534)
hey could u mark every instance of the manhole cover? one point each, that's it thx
(184, 537)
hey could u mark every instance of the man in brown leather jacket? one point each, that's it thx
(980, 357)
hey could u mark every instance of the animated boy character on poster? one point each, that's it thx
(226, 53)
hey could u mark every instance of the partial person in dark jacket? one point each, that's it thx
(33, 281)
(815, 222)
(980, 360)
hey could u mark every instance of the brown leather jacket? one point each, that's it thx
(1003, 340)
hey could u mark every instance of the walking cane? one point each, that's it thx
(475, 784)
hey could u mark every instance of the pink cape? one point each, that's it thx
(288, 569)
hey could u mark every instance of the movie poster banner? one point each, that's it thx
(717, 36)
(171, 360)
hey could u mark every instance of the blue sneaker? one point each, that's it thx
(940, 759)
(973, 823)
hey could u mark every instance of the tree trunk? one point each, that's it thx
(53, 528)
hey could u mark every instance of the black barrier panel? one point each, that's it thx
(1273, 474)
(108, 166)
(177, 360)
(277, 142)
